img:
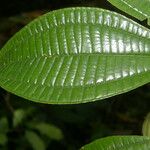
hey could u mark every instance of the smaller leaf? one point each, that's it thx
(19, 115)
(3, 139)
(139, 9)
(35, 141)
(49, 130)
(149, 21)
(146, 126)
(120, 143)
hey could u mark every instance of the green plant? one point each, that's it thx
(77, 55)
(34, 129)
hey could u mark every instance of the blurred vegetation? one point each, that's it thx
(25, 125)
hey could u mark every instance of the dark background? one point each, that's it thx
(79, 124)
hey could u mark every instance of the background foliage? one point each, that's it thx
(65, 126)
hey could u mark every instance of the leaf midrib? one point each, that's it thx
(85, 85)
(141, 55)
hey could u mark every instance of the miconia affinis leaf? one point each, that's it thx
(119, 143)
(139, 9)
(76, 55)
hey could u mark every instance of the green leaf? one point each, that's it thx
(139, 9)
(3, 139)
(146, 126)
(19, 115)
(120, 143)
(149, 21)
(76, 55)
(49, 130)
(35, 141)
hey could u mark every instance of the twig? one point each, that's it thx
(7, 101)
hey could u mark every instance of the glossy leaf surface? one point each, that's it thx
(120, 143)
(76, 55)
(140, 9)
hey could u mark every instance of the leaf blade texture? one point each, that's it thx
(137, 8)
(76, 55)
(119, 142)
